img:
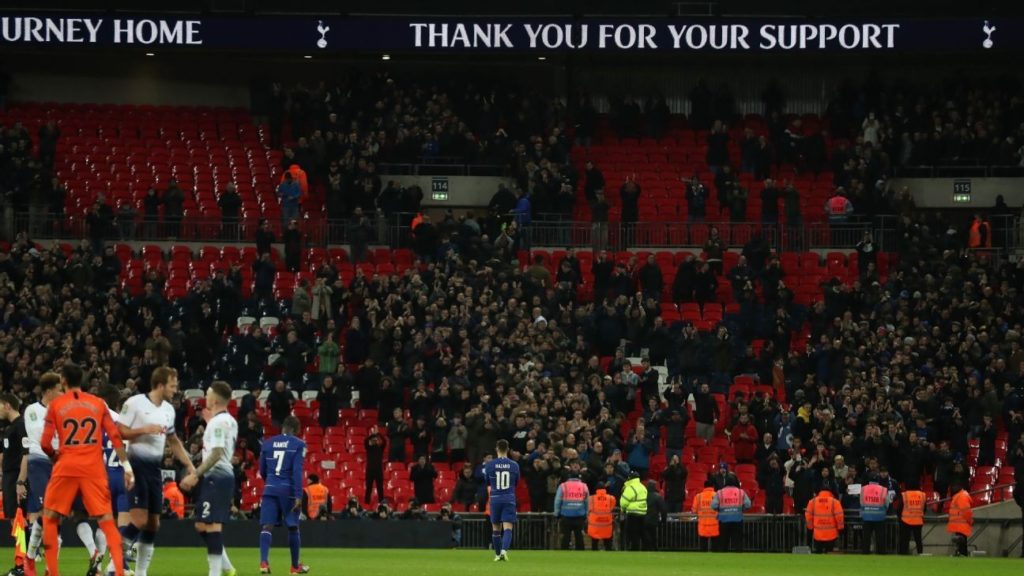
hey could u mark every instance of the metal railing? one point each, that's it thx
(761, 533)
(441, 166)
(545, 230)
(971, 169)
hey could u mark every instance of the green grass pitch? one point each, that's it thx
(376, 562)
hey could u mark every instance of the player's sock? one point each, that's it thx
(214, 552)
(113, 537)
(506, 540)
(129, 534)
(265, 538)
(85, 535)
(101, 542)
(225, 562)
(50, 528)
(146, 543)
(496, 541)
(35, 538)
(294, 544)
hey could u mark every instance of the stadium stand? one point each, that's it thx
(908, 361)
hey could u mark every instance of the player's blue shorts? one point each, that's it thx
(148, 492)
(118, 495)
(216, 493)
(275, 510)
(503, 512)
(39, 470)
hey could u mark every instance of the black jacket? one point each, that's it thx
(657, 510)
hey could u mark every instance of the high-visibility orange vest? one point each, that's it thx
(913, 508)
(960, 515)
(416, 221)
(316, 497)
(707, 517)
(175, 499)
(824, 515)
(599, 515)
(974, 236)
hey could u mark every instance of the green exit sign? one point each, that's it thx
(439, 189)
(961, 191)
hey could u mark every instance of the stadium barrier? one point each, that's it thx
(761, 533)
(545, 230)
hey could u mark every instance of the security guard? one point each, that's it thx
(707, 517)
(317, 499)
(600, 520)
(824, 517)
(960, 518)
(633, 504)
(874, 501)
(571, 510)
(730, 502)
(912, 518)
(174, 500)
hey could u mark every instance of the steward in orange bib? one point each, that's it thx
(316, 499)
(980, 234)
(600, 520)
(824, 516)
(960, 518)
(707, 517)
(912, 518)
(174, 500)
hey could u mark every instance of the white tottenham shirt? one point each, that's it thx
(35, 420)
(221, 432)
(139, 411)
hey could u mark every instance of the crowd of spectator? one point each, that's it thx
(899, 373)
(341, 132)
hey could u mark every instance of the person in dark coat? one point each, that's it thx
(657, 516)
(650, 278)
(674, 479)
(685, 280)
(264, 238)
(329, 401)
(367, 381)
(263, 277)
(230, 203)
(629, 194)
(293, 247)
(593, 183)
(279, 401)
(771, 479)
(173, 199)
(375, 446)
(422, 476)
(602, 271)
(150, 212)
(397, 432)
(466, 487)
(705, 284)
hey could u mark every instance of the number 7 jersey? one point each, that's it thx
(78, 420)
(281, 466)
